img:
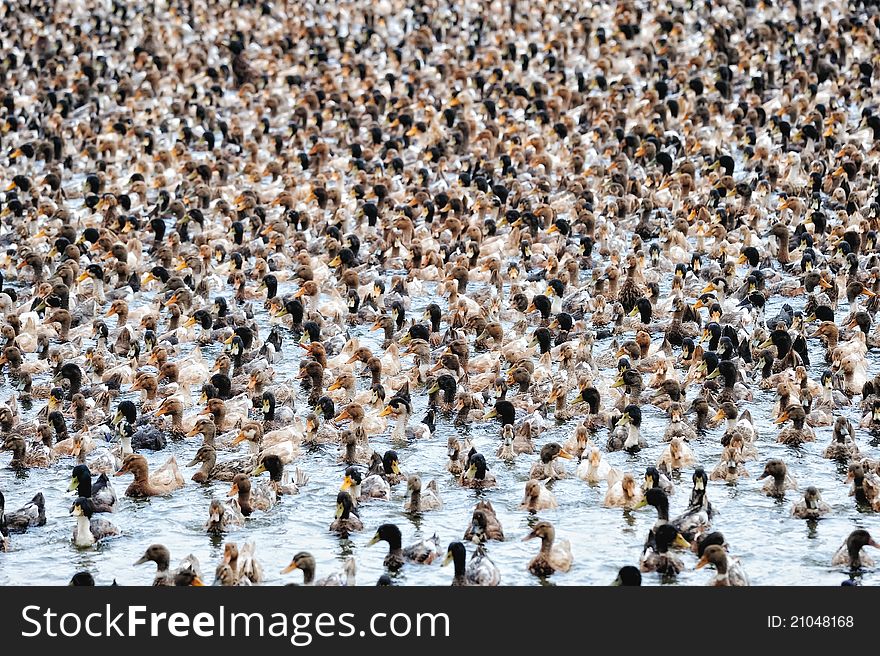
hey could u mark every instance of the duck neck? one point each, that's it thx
(415, 501)
(458, 563)
(84, 489)
(177, 421)
(561, 403)
(84, 535)
(208, 465)
(632, 437)
(244, 502)
(400, 427)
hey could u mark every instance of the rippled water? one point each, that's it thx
(775, 549)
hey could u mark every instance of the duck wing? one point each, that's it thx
(103, 494)
(32, 513)
(168, 475)
(102, 528)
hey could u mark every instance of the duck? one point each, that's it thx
(537, 497)
(697, 517)
(457, 456)
(373, 487)
(89, 530)
(484, 524)
(843, 445)
(401, 409)
(798, 432)
(657, 558)
(778, 478)
(278, 478)
(657, 477)
(555, 553)
(865, 485)
(627, 436)
(623, 493)
(548, 465)
(676, 456)
(346, 520)
(32, 514)
(224, 517)
(101, 492)
(811, 505)
(252, 497)
(422, 500)
(213, 470)
(477, 474)
(479, 570)
(730, 468)
(678, 427)
(162, 482)
(736, 423)
(423, 552)
(594, 469)
(305, 562)
(161, 556)
(716, 555)
(850, 552)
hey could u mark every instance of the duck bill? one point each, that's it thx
(346, 484)
(259, 469)
(374, 540)
(386, 411)
(233, 491)
(241, 437)
(641, 504)
(565, 454)
(193, 432)
(781, 419)
(681, 542)
(718, 416)
(335, 386)
(447, 560)
(342, 416)
(702, 562)
(74, 484)
(715, 373)
(491, 414)
(618, 383)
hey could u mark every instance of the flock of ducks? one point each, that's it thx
(546, 219)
